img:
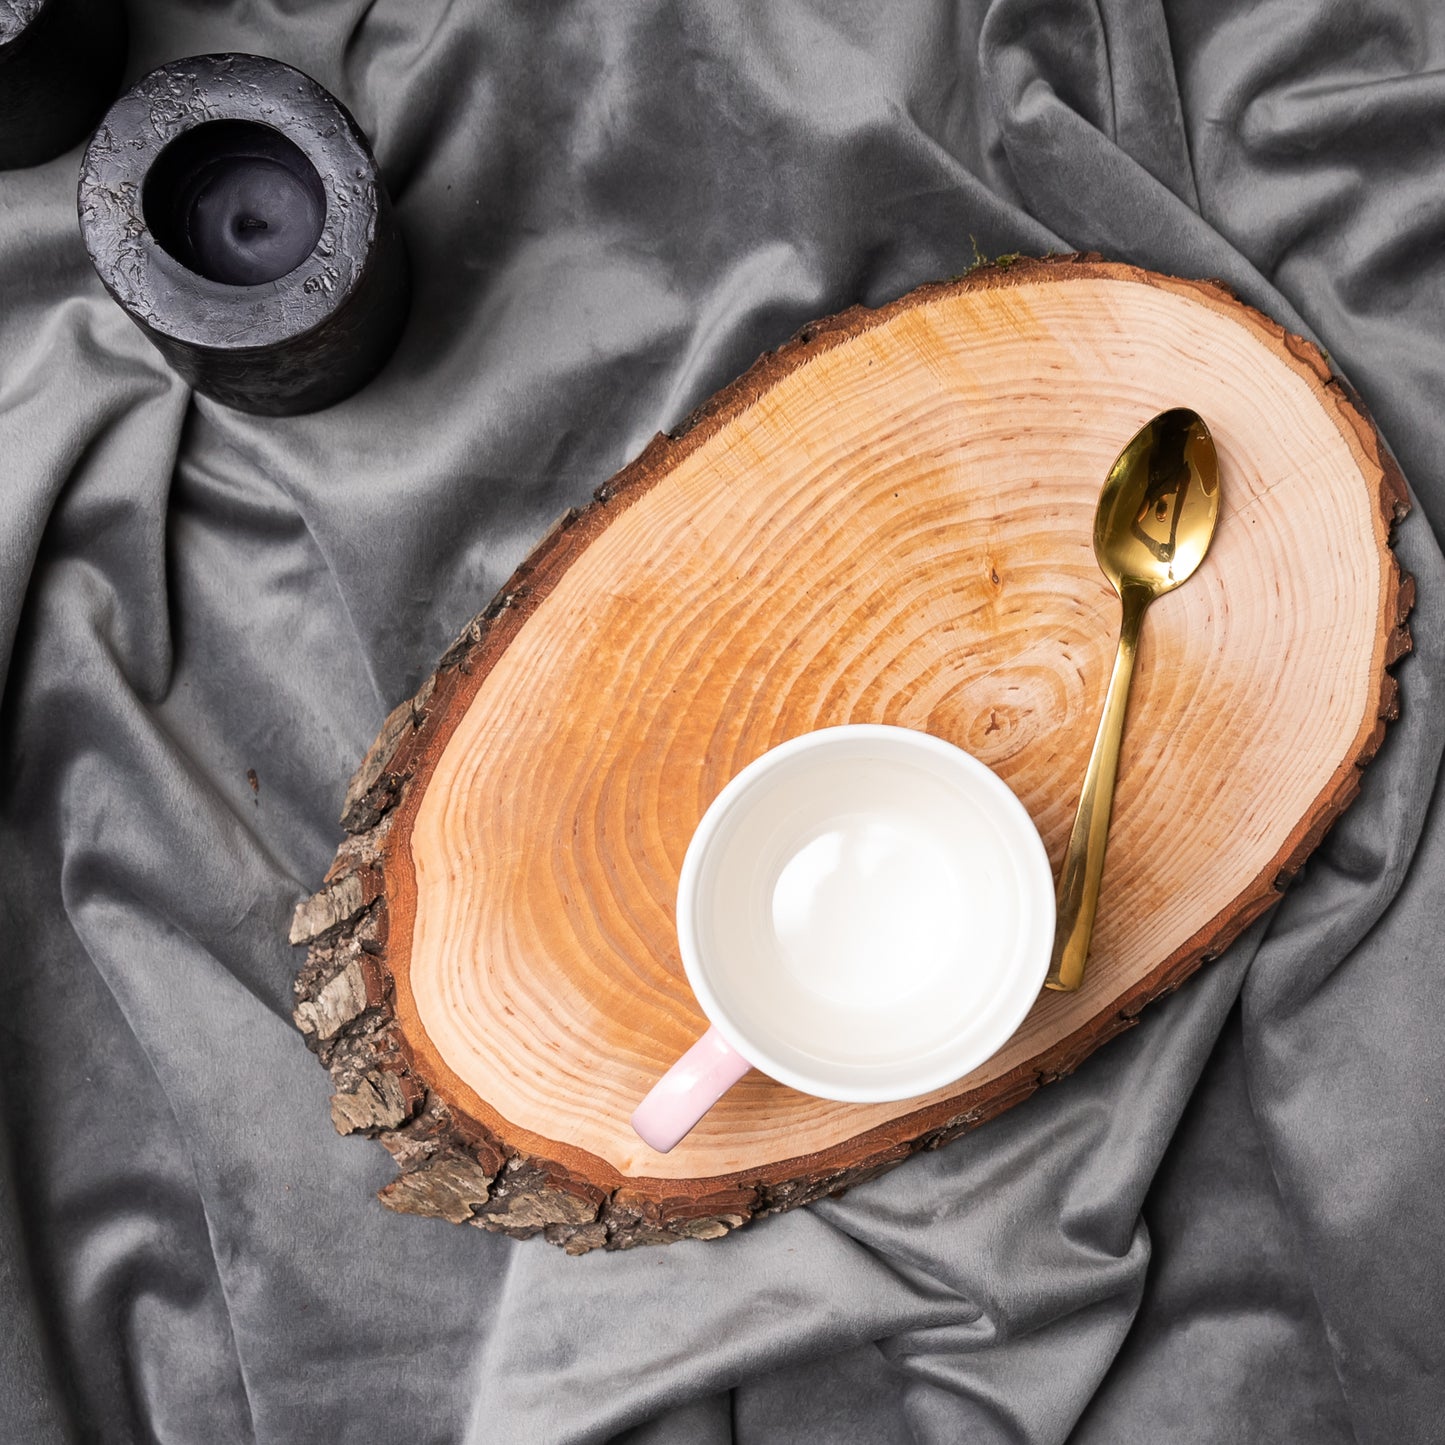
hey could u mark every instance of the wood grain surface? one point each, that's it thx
(888, 520)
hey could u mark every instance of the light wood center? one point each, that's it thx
(897, 530)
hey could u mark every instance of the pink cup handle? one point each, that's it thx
(687, 1091)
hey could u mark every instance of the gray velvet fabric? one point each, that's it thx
(1227, 1226)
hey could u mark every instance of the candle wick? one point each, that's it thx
(251, 223)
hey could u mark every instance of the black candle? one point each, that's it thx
(234, 209)
(60, 62)
(236, 202)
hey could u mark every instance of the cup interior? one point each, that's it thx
(866, 913)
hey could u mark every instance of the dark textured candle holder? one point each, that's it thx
(167, 191)
(60, 63)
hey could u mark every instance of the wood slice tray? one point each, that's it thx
(887, 520)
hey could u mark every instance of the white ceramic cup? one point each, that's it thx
(865, 913)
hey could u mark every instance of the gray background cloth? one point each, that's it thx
(1227, 1226)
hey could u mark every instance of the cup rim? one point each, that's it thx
(1037, 883)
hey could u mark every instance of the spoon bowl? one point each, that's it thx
(1159, 504)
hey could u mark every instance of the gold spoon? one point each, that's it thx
(1152, 528)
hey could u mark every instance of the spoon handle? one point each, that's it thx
(1078, 898)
